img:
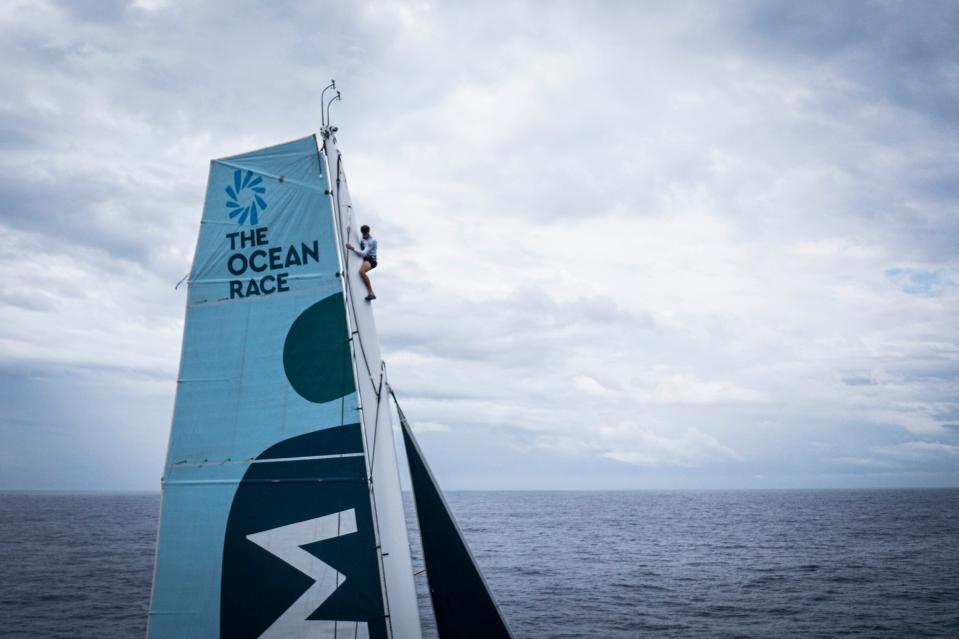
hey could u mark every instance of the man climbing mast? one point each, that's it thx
(367, 251)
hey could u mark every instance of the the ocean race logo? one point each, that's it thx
(260, 262)
(261, 268)
(245, 197)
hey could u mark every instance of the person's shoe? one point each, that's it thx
(370, 298)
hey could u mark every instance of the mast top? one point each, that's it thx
(327, 129)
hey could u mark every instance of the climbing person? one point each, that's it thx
(367, 251)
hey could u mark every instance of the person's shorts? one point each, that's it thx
(371, 260)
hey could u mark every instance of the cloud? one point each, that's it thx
(689, 449)
(921, 450)
(626, 236)
(589, 386)
(431, 427)
(919, 282)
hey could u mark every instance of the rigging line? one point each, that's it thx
(376, 423)
(349, 294)
(346, 274)
(339, 547)
(346, 346)
(397, 402)
(347, 291)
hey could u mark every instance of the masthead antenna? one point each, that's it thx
(335, 98)
(331, 85)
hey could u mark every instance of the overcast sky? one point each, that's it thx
(623, 245)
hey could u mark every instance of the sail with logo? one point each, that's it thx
(282, 514)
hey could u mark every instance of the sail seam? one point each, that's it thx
(271, 460)
(285, 480)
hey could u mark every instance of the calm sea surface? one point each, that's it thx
(881, 563)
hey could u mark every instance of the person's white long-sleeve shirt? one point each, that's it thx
(367, 248)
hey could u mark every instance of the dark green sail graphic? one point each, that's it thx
(462, 603)
(294, 490)
(309, 478)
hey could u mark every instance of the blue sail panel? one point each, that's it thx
(266, 524)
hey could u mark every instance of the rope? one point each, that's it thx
(359, 337)
(399, 411)
(376, 421)
(343, 374)
(396, 401)
(346, 273)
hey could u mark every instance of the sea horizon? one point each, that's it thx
(405, 490)
(760, 562)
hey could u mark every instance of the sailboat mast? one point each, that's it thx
(393, 541)
(351, 323)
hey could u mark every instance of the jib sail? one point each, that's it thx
(462, 602)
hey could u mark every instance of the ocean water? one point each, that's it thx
(882, 563)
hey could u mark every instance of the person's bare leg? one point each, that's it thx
(366, 280)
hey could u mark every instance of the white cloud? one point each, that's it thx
(430, 427)
(690, 448)
(835, 248)
(918, 450)
(593, 223)
(589, 386)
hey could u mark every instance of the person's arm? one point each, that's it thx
(370, 246)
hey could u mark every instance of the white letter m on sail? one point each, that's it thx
(286, 543)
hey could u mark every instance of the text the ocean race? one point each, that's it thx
(257, 268)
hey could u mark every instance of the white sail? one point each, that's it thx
(372, 388)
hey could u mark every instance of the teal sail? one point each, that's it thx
(269, 526)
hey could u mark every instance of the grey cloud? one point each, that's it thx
(106, 11)
(588, 217)
(859, 381)
(64, 210)
(881, 67)
(902, 51)
(524, 328)
(919, 282)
